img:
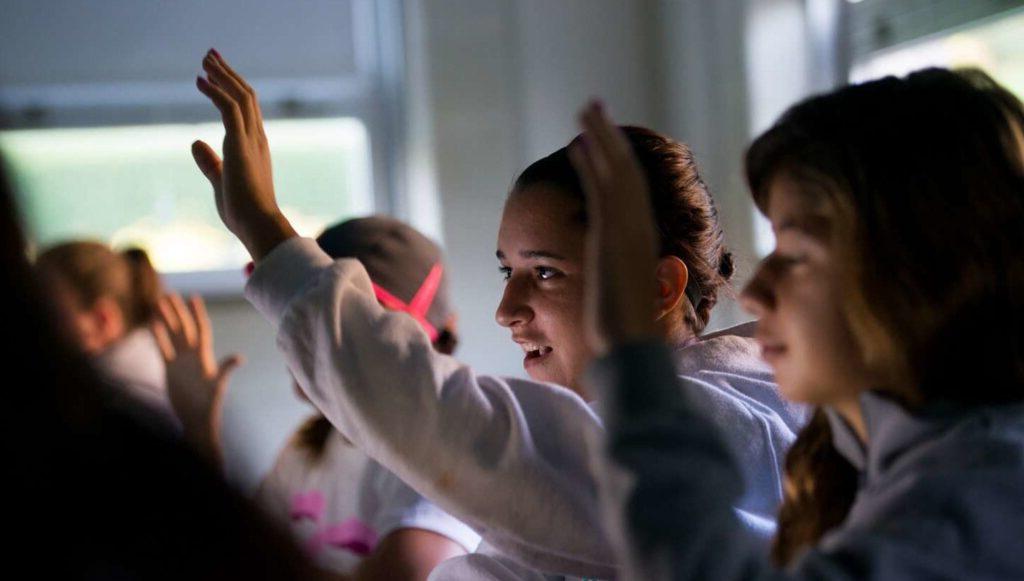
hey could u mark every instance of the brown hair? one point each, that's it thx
(819, 488)
(924, 178)
(684, 212)
(92, 271)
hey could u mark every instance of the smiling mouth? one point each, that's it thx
(534, 352)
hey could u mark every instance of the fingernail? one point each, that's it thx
(216, 54)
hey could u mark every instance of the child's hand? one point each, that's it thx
(621, 242)
(196, 385)
(243, 186)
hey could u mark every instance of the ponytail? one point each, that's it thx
(146, 288)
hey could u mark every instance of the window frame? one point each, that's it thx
(371, 94)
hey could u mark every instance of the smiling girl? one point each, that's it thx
(894, 299)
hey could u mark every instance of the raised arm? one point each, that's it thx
(196, 382)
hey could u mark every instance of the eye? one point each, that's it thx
(782, 261)
(506, 272)
(547, 273)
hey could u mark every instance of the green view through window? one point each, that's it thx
(139, 186)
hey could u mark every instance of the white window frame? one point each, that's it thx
(371, 94)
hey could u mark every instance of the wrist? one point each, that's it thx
(266, 233)
(205, 439)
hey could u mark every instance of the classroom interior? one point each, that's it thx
(421, 109)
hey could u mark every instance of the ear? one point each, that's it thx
(672, 276)
(109, 319)
(451, 323)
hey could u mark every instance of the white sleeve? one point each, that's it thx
(396, 506)
(507, 457)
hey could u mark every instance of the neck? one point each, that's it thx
(675, 333)
(849, 408)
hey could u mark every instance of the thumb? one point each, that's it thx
(208, 161)
(227, 366)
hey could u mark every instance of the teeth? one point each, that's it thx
(534, 348)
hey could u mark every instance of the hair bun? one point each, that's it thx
(726, 266)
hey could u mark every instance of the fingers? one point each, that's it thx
(607, 137)
(163, 341)
(240, 80)
(204, 334)
(588, 179)
(227, 366)
(177, 323)
(230, 112)
(224, 77)
(188, 324)
(208, 161)
(168, 317)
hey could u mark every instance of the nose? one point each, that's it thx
(514, 309)
(757, 296)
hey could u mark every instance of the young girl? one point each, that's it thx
(371, 524)
(352, 516)
(108, 300)
(507, 456)
(894, 299)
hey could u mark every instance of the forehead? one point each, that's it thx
(797, 206)
(541, 218)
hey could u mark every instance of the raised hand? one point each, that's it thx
(196, 384)
(242, 183)
(621, 245)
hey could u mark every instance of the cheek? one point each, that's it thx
(823, 360)
(569, 335)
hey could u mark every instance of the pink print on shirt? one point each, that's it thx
(351, 535)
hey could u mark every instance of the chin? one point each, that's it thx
(546, 376)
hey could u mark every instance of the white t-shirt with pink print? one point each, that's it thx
(340, 505)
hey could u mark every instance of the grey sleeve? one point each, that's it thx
(669, 483)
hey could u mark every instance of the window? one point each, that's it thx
(98, 137)
(995, 44)
(138, 185)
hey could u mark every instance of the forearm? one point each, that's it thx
(669, 483)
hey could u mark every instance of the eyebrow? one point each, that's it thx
(815, 225)
(533, 254)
